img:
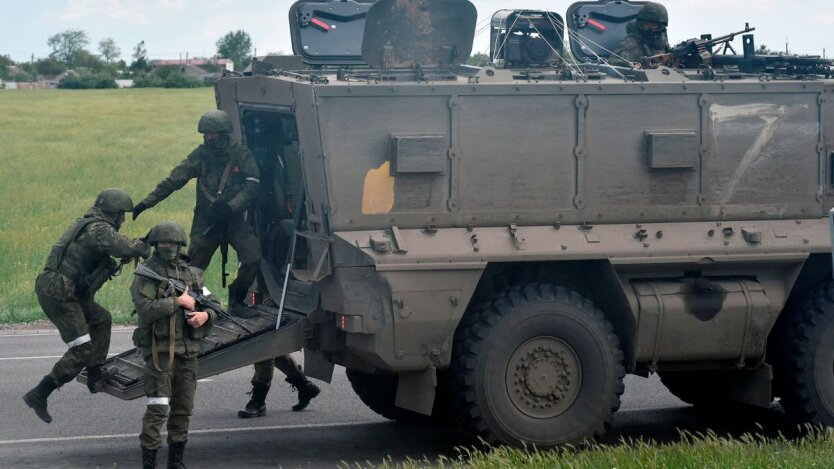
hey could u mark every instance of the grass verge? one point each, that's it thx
(815, 450)
(60, 148)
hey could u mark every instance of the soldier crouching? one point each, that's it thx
(169, 334)
(78, 265)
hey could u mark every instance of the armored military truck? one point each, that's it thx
(502, 244)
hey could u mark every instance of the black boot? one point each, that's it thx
(148, 458)
(175, 451)
(36, 398)
(307, 391)
(256, 407)
(242, 311)
(97, 377)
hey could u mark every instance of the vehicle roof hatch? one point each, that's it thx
(597, 27)
(429, 33)
(329, 32)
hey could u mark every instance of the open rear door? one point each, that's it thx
(233, 343)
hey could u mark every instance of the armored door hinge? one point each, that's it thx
(518, 242)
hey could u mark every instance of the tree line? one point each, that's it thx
(100, 67)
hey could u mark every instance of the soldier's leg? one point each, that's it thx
(261, 381)
(68, 317)
(248, 250)
(307, 390)
(99, 322)
(158, 391)
(183, 390)
(55, 296)
(202, 248)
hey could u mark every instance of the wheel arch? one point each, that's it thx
(594, 279)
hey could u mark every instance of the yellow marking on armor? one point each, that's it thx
(378, 191)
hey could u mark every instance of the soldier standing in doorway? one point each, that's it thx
(227, 186)
(78, 265)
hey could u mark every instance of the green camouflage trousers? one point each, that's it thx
(170, 396)
(266, 369)
(84, 325)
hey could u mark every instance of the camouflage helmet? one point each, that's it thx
(654, 12)
(113, 201)
(167, 232)
(215, 122)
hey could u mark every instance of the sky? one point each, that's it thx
(174, 28)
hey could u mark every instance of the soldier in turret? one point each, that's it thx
(78, 265)
(646, 36)
(169, 332)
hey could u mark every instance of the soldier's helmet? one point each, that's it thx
(654, 12)
(215, 122)
(113, 201)
(167, 232)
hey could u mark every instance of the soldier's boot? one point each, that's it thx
(242, 311)
(148, 458)
(238, 307)
(175, 452)
(97, 377)
(256, 407)
(36, 398)
(307, 391)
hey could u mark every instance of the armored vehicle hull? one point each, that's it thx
(503, 245)
(483, 231)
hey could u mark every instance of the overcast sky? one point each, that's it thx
(171, 28)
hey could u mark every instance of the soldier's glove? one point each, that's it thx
(219, 212)
(139, 208)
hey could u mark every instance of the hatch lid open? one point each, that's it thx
(599, 27)
(329, 32)
(431, 33)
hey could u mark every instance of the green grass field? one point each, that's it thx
(60, 148)
(691, 452)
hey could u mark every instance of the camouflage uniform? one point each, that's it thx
(221, 208)
(85, 250)
(169, 383)
(639, 43)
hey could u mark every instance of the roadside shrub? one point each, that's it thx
(87, 81)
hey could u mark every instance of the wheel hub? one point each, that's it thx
(543, 377)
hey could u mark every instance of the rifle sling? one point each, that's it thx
(172, 324)
(223, 181)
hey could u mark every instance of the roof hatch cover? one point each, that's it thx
(329, 32)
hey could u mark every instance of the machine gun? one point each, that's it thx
(178, 287)
(694, 53)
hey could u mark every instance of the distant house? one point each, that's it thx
(197, 62)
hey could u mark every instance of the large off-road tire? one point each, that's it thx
(379, 393)
(538, 365)
(707, 388)
(802, 355)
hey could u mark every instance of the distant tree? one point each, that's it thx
(140, 58)
(478, 59)
(109, 50)
(86, 59)
(49, 67)
(764, 50)
(67, 44)
(236, 46)
(5, 62)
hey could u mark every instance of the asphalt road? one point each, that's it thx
(102, 431)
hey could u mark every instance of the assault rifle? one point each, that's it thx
(694, 53)
(106, 269)
(177, 287)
